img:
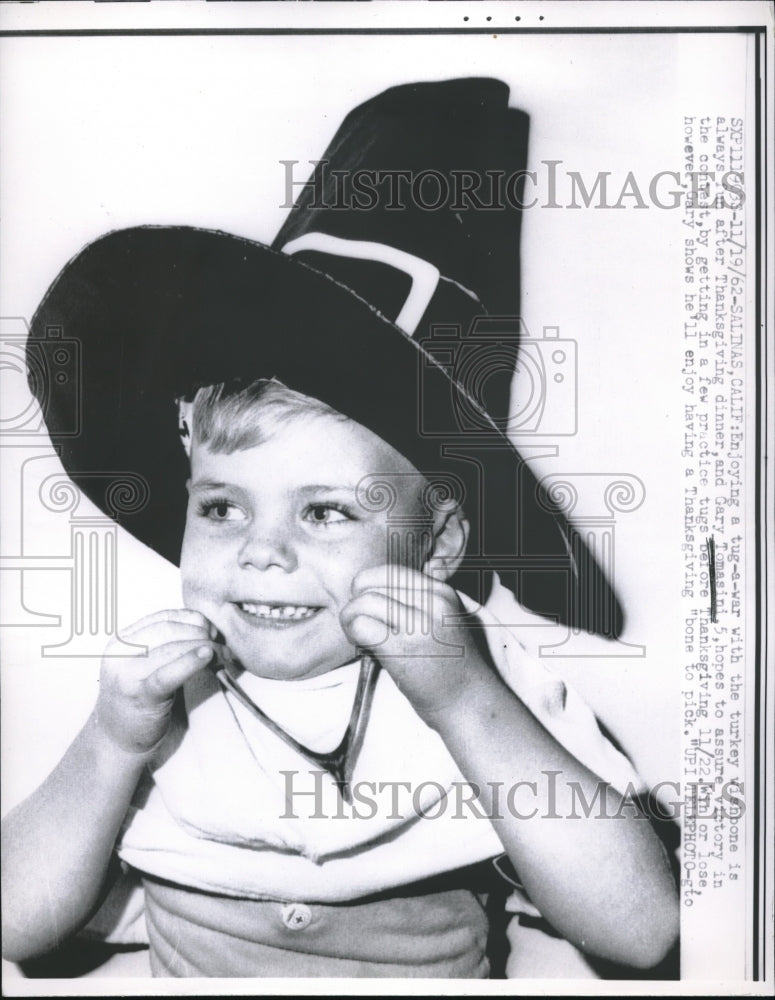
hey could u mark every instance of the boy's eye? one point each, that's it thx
(322, 513)
(221, 510)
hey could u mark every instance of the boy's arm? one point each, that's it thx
(57, 844)
(599, 876)
(603, 883)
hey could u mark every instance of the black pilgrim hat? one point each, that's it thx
(380, 297)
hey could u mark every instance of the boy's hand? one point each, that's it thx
(137, 692)
(399, 614)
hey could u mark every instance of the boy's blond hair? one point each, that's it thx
(227, 420)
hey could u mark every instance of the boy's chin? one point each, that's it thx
(274, 671)
(278, 674)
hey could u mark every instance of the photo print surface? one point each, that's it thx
(382, 591)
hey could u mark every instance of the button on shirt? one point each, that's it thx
(296, 916)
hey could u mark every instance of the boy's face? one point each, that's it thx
(275, 535)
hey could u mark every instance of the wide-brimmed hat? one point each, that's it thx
(371, 299)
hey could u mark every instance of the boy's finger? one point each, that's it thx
(223, 654)
(371, 603)
(391, 576)
(164, 681)
(398, 617)
(382, 575)
(411, 594)
(161, 632)
(418, 597)
(139, 668)
(407, 612)
(183, 616)
(436, 569)
(369, 633)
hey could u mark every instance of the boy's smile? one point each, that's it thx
(275, 535)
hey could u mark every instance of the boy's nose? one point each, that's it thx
(263, 549)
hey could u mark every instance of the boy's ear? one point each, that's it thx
(450, 538)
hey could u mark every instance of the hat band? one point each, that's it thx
(425, 277)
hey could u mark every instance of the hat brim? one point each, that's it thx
(156, 312)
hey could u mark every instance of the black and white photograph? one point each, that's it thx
(386, 528)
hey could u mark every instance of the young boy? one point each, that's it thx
(285, 583)
(313, 757)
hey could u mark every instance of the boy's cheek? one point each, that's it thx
(188, 594)
(196, 570)
(192, 600)
(196, 591)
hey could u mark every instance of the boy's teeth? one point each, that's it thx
(287, 612)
